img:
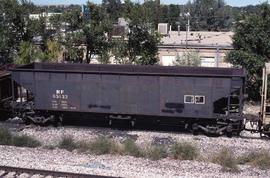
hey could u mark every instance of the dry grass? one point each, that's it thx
(154, 152)
(226, 159)
(25, 141)
(117, 148)
(184, 151)
(256, 159)
(131, 148)
(7, 138)
(104, 145)
(49, 147)
(67, 142)
(83, 146)
(99, 146)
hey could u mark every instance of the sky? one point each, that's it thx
(229, 2)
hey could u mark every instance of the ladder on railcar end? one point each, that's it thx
(265, 99)
(235, 101)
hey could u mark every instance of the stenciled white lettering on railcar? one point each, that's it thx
(59, 100)
(60, 94)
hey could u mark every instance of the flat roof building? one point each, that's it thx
(210, 47)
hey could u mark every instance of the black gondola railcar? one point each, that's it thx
(208, 99)
(5, 94)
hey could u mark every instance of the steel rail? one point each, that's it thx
(50, 173)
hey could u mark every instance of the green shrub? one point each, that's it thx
(117, 148)
(262, 162)
(101, 145)
(68, 143)
(131, 148)
(248, 157)
(25, 141)
(256, 159)
(49, 147)
(226, 159)
(184, 151)
(156, 152)
(5, 137)
(83, 146)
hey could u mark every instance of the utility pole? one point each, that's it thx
(217, 56)
(187, 25)
(187, 28)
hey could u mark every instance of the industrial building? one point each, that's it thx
(210, 47)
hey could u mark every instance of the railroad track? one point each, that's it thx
(7, 171)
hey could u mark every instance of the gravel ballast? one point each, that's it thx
(123, 166)
(128, 166)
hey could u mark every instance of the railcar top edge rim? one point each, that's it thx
(132, 69)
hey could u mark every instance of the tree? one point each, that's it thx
(15, 27)
(170, 14)
(94, 32)
(73, 18)
(72, 21)
(142, 45)
(72, 47)
(119, 51)
(95, 40)
(212, 15)
(189, 58)
(27, 53)
(11, 28)
(142, 39)
(53, 50)
(151, 9)
(113, 8)
(89, 29)
(252, 47)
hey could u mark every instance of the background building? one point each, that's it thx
(210, 47)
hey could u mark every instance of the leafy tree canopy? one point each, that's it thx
(89, 34)
(142, 45)
(252, 47)
(189, 58)
(12, 27)
(114, 8)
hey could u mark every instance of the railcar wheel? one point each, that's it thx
(110, 122)
(266, 130)
(229, 131)
(132, 123)
(229, 134)
(195, 129)
(58, 121)
(238, 133)
(27, 121)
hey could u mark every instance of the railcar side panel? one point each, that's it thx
(5, 94)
